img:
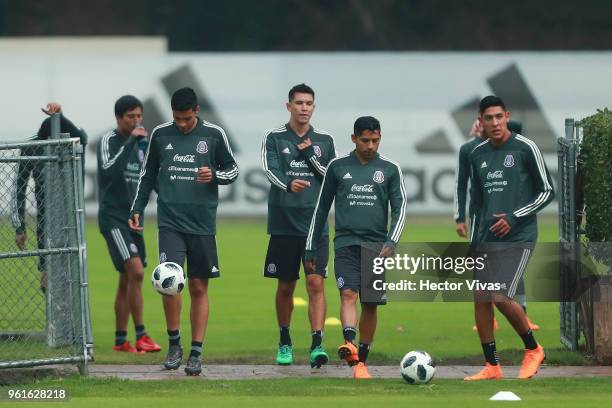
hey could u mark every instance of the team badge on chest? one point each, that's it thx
(379, 176)
(317, 150)
(509, 161)
(202, 147)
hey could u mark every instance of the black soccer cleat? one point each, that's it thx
(174, 358)
(193, 366)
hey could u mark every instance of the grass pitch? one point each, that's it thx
(242, 326)
(308, 392)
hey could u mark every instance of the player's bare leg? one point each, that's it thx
(284, 302)
(367, 328)
(317, 306)
(348, 317)
(534, 353)
(122, 307)
(316, 314)
(198, 289)
(135, 273)
(284, 309)
(483, 314)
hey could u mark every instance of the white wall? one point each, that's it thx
(413, 94)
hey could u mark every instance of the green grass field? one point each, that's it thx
(242, 326)
(308, 392)
(242, 329)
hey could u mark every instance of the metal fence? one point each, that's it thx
(568, 235)
(44, 310)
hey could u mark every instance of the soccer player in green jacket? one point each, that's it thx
(364, 185)
(295, 157)
(461, 194)
(511, 184)
(120, 154)
(186, 161)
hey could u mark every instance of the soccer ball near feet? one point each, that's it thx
(168, 278)
(417, 367)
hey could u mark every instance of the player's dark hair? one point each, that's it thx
(366, 123)
(184, 99)
(126, 103)
(515, 126)
(489, 101)
(300, 88)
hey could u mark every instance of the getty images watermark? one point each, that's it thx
(447, 272)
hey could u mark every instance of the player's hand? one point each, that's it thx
(134, 223)
(501, 228)
(310, 266)
(20, 240)
(386, 251)
(204, 175)
(52, 108)
(462, 229)
(305, 144)
(140, 131)
(298, 185)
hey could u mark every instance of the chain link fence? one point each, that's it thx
(44, 311)
(569, 240)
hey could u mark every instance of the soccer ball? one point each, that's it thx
(168, 278)
(417, 367)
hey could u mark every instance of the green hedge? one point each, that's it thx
(596, 152)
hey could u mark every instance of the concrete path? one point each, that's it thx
(240, 372)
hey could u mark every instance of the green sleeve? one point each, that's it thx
(397, 201)
(111, 163)
(148, 177)
(319, 217)
(271, 164)
(543, 192)
(226, 168)
(461, 183)
(319, 165)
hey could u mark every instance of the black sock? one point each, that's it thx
(285, 338)
(140, 331)
(364, 349)
(174, 337)
(196, 349)
(349, 334)
(529, 340)
(120, 337)
(490, 353)
(317, 339)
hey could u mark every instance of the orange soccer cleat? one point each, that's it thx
(145, 343)
(532, 362)
(360, 371)
(489, 372)
(127, 348)
(349, 353)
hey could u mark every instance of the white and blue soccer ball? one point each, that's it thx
(168, 278)
(417, 367)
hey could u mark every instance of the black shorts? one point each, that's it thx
(124, 244)
(353, 267)
(506, 269)
(286, 253)
(200, 250)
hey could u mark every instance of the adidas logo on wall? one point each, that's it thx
(509, 84)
